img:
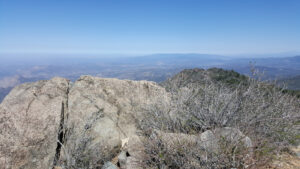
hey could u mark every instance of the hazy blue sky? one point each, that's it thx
(149, 26)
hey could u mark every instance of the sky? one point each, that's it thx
(150, 26)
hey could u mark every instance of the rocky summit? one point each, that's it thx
(47, 122)
(108, 123)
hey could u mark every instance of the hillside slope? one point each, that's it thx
(197, 76)
(291, 83)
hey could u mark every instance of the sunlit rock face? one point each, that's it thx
(54, 122)
(102, 112)
(30, 118)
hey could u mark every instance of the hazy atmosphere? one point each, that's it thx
(155, 84)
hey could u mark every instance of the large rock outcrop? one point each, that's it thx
(30, 121)
(80, 125)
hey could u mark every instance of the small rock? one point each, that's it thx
(122, 158)
(125, 142)
(209, 141)
(109, 165)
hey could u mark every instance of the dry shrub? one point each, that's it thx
(260, 110)
(184, 153)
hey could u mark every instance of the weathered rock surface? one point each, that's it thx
(122, 159)
(134, 152)
(30, 118)
(102, 112)
(109, 165)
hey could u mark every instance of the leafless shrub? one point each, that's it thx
(78, 156)
(161, 155)
(75, 151)
(259, 109)
(184, 153)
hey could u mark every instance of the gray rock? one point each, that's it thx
(209, 141)
(93, 114)
(135, 149)
(233, 135)
(30, 118)
(122, 158)
(103, 111)
(109, 165)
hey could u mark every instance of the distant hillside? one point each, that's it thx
(227, 78)
(291, 83)
(197, 76)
